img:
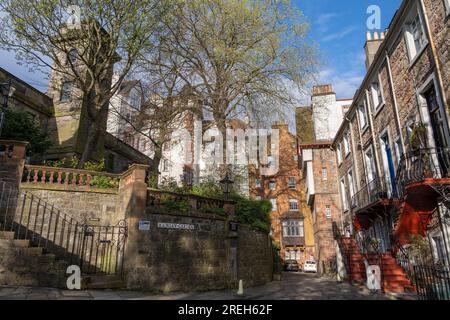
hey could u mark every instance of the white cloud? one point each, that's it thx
(339, 35)
(323, 21)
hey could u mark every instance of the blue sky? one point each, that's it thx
(337, 26)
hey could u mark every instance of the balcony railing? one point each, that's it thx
(423, 164)
(370, 193)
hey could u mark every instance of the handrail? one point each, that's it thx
(371, 192)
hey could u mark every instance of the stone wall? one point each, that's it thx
(95, 206)
(171, 259)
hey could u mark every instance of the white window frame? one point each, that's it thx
(413, 51)
(351, 184)
(362, 116)
(273, 201)
(257, 183)
(347, 144)
(376, 96)
(344, 194)
(339, 153)
(294, 206)
(372, 165)
(166, 165)
(328, 212)
(288, 226)
(447, 7)
(290, 184)
(274, 185)
(324, 174)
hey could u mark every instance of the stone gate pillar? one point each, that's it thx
(12, 161)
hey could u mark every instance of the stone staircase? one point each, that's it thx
(23, 264)
(394, 277)
(356, 267)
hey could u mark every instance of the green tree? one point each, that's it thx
(19, 125)
(109, 37)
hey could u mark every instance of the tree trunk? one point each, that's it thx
(94, 136)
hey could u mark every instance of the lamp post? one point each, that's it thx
(7, 90)
(226, 185)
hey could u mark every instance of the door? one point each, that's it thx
(440, 129)
(388, 166)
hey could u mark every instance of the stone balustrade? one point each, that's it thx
(42, 175)
(158, 200)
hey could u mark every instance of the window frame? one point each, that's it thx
(293, 208)
(344, 198)
(447, 7)
(379, 95)
(351, 186)
(290, 225)
(413, 51)
(327, 212)
(364, 116)
(346, 140)
(324, 174)
(339, 153)
(69, 91)
(274, 203)
(257, 183)
(290, 185)
(274, 183)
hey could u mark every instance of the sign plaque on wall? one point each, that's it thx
(170, 225)
(144, 225)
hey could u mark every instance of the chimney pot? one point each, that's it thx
(375, 36)
(368, 36)
(382, 35)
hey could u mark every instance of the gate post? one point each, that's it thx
(12, 161)
(132, 203)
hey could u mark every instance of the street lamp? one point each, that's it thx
(7, 90)
(226, 185)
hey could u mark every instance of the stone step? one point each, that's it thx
(9, 244)
(103, 282)
(7, 235)
(33, 251)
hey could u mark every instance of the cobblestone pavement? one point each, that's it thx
(293, 286)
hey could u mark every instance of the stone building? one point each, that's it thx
(316, 127)
(396, 134)
(292, 225)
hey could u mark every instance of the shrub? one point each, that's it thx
(19, 125)
(102, 182)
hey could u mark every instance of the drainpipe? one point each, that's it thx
(435, 57)
(377, 160)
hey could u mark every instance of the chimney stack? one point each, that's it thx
(323, 90)
(372, 45)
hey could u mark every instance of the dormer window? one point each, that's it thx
(72, 56)
(415, 35)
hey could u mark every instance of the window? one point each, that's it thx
(66, 91)
(324, 174)
(377, 95)
(370, 164)
(166, 165)
(274, 204)
(272, 185)
(293, 204)
(415, 35)
(346, 143)
(344, 194)
(398, 150)
(135, 99)
(72, 56)
(291, 183)
(351, 185)
(258, 183)
(293, 228)
(362, 114)
(258, 198)
(328, 212)
(295, 158)
(447, 6)
(339, 153)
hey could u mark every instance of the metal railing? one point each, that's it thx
(370, 193)
(432, 282)
(422, 164)
(93, 248)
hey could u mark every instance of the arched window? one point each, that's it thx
(72, 56)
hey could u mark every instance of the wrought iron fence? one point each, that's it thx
(432, 282)
(421, 164)
(93, 248)
(370, 193)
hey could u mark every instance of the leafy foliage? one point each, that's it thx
(102, 182)
(181, 206)
(19, 125)
(252, 212)
(73, 162)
